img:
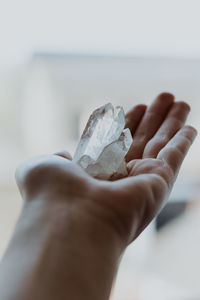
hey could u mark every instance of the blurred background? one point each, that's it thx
(61, 59)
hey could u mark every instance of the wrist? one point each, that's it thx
(66, 242)
(72, 216)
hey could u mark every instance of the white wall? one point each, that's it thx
(137, 27)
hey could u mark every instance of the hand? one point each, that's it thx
(126, 206)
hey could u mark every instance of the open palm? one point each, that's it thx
(160, 143)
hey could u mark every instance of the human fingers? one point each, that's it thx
(151, 121)
(134, 117)
(174, 121)
(176, 149)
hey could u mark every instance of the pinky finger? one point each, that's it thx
(176, 149)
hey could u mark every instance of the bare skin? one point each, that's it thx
(73, 229)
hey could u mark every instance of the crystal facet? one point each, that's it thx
(104, 144)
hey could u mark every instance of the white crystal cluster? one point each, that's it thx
(104, 144)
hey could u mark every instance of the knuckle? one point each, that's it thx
(155, 145)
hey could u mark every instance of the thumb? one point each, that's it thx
(64, 154)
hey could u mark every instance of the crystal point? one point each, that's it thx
(104, 144)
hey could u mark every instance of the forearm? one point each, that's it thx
(59, 252)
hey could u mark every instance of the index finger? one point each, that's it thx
(134, 116)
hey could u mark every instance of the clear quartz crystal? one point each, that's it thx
(104, 144)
